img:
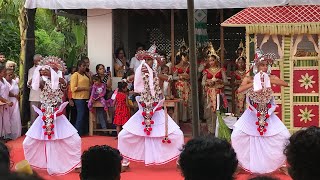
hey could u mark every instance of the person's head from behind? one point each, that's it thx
(139, 47)
(122, 87)
(100, 162)
(164, 69)
(263, 178)
(96, 80)
(303, 154)
(19, 176)
(208, 158)
(2, 58)
(4, 158)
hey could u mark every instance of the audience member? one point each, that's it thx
(134, 63)
(303, 154)
(120, 63)
(80, 90)
(4, 159)
(101, 163)
(19, 176)
(2, 59)
(34, 96)
(208, 158)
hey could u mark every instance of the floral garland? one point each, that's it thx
(149, 102)
(261, 102)
(49, 99)
(48, 117)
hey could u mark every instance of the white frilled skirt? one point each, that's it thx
(135, 145)
(259, 154)
(59, 155)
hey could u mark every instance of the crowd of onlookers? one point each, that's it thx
(205, 158)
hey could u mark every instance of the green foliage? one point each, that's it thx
(9, 40)
(55, 35)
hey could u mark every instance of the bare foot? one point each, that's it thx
(124, 168)
(77, 170)
(284, 170)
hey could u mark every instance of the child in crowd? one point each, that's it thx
(5, 126)
(97, 93)
(121, 104)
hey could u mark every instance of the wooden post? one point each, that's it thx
(221, 38)
(27, 64)
(193, 70)
(172, 38)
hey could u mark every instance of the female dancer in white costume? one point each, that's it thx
(259, 136)
(52, 143)
(150, 135)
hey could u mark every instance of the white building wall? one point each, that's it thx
(100, 38)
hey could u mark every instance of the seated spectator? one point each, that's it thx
(208, 158)
(263, 178)
(4, 159)
(303, 154)
(101, 163)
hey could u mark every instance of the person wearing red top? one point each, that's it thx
(182, 85)
(238, 77)
(122, 110)
(213, 82)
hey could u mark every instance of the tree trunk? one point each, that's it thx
(27, 26)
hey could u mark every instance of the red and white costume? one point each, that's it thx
(51, 143)
(150, 135)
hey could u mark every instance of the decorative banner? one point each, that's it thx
(305, 81)
(276, 88)
(200, 16)
(278, 112)
(306, 115)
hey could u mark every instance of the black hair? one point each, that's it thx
(84, 58)
(164, 67)
(2, 54)
(96, 78)
(79, 63)
(138, 45)
(2, 67)
(100, 162)
(4, 158)
(118, 51)
(97, 66)
(303, 154)
(208, 158)
(263, 178)
(121, 86)
(20, 176)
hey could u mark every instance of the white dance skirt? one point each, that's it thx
(59, 155)
(135, 145)
(256, 153)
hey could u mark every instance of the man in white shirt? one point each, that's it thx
(34, 96)
(134, 63)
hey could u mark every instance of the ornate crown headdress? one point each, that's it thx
(260, 57)
(209, 51)
(53, 62)
(151, 53)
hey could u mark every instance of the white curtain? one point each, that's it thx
(160, 4)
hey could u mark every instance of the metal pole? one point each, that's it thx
(193, 70)
(221, 38)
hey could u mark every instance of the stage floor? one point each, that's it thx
(137, 172)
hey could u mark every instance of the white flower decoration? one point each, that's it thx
(306, 115)
(306, 81)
